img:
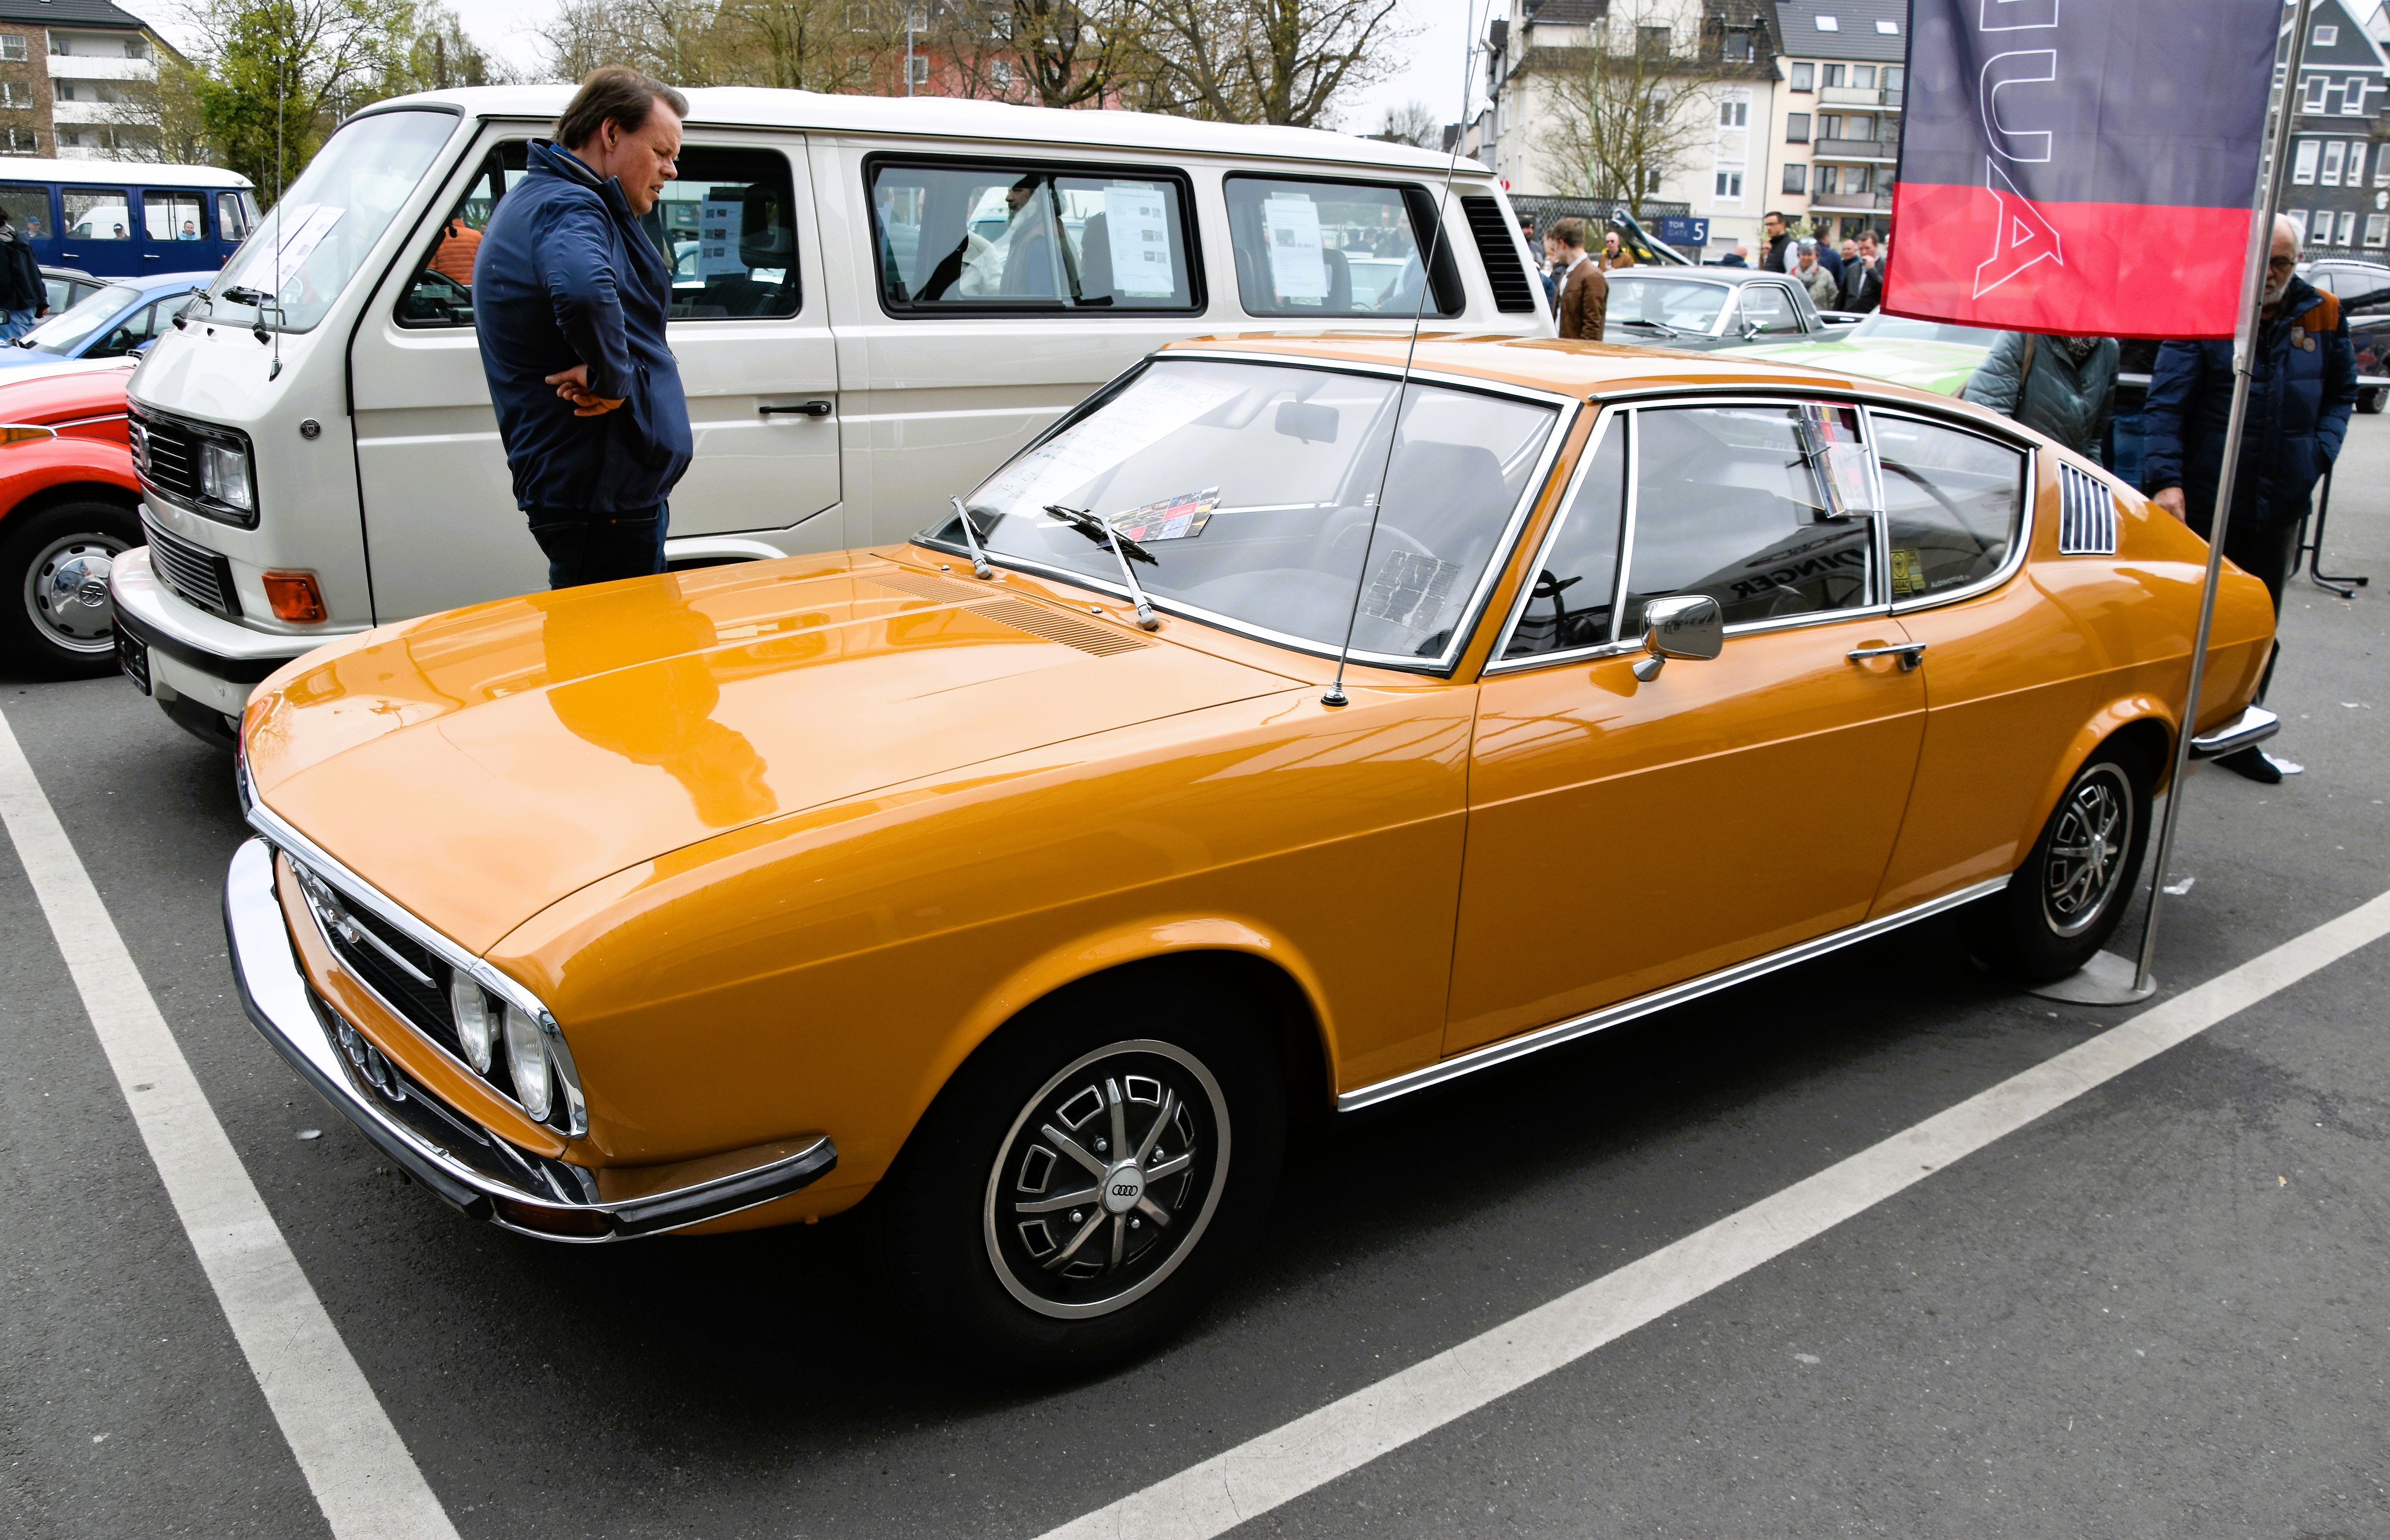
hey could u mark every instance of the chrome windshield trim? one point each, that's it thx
(1568, 1031)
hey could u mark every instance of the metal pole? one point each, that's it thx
(2244, 347)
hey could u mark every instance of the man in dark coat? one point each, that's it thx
(2302, 385)
(1862, 280)
(571, 297)
(1779, 255)
(22, 294)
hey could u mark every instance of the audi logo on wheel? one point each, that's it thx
(1125, 1189)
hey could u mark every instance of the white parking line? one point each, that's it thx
(355, 1463)
(1282, 1465)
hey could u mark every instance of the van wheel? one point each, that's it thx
(2062, 905)
(56, 563)
(1079, 1188)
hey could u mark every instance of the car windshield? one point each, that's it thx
(68, 329)
(316, 236)
(1254, 487)
(1902, 328)
(1674, 303)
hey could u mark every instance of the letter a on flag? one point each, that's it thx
(2082, 167)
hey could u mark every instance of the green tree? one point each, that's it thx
(274, 77)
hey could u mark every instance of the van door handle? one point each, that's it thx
(1910, 654)
(801, 409)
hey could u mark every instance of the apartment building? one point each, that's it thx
(69, 73)
(2338, 191)
(1836, 136)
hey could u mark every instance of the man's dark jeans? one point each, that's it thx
(599, 547)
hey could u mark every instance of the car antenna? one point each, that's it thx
(281, 218)
(1336, 696)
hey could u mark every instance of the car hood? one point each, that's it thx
(1942, 367)
(480, 765)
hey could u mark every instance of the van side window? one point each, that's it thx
(29, 211)
(1314, 249)
(98, 213)
(441, 294)
(1021, 236)
(234, 215)
(173, 215)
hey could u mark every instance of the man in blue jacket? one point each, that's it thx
(571, 296)
(2302, 384)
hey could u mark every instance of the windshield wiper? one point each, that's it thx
(1124, 550)
(980, 569)
(1655, 325)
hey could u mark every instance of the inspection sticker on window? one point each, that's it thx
(1908, 574)
(1298, 264)
(299, 230)
(1179, 518)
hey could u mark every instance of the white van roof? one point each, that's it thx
(117, 173)
(952, 118)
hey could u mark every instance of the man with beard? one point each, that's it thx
(2302, 386)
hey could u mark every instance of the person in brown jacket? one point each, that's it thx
(1583, 292)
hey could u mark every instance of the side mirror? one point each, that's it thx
(1689, 625)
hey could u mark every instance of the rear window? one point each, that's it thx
(1012, 235)
(1317, 249)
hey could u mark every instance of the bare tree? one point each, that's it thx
(1414, 122)
(1632, 105)
(1264, 61)
(1047, 53)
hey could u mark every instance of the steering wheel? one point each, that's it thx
(1352, 530)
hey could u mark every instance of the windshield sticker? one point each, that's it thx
(1139, 231)
(1830, 435)
(1408, 590)
(301, 230)
(1162, 402)
(1179, 518)
(1298, 266)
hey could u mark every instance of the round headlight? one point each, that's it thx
(527, 1061)
(477, 1024)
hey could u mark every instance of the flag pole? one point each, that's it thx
(2245, 345)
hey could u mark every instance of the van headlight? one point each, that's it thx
(223, 475)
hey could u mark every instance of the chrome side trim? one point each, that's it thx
(1658, 1000)
(2247, 730)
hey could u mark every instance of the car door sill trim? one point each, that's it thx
(1568, 1031)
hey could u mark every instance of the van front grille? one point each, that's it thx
(168, 457)
(191, 569)
(1497, 247)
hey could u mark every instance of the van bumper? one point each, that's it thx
(197, 662)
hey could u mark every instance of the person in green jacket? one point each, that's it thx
(2060, 386)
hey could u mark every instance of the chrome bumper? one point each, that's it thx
(460, 1161)
(2247, 730)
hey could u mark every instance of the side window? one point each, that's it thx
(1576, 573)
(126, 335)
(1739, 503)
(173, 215)
(441, 294)
(29, 211)
(727, 227)
(1016, 236)
(1769, 307)
(1952, 503)
(98, 213)
(234, 216)
(1319, 249)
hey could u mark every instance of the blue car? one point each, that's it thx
(120, 318)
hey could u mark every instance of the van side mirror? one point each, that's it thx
(1689, 625)
(1301, 420)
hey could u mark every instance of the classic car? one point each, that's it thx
(1930, 355)
(69, 505)
(1031, 876)
(109, 321)
(1701, 308)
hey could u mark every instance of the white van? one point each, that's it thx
(875, 302)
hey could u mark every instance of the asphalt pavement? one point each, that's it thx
(2158, 1311)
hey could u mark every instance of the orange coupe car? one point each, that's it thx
(1032, 877)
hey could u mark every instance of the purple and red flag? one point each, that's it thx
(2082, 167)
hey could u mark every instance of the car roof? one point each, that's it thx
(1694, 274)
(116, 174)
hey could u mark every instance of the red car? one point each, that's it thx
(69, 505)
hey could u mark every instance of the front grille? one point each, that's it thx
(1497, 247)
(192, 571)
(168, 454)
(421, 996)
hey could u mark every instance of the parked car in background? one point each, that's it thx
(68, 511)
(1926, 355)
(1042, 903)
(112, 321)
(2363, 289)
(65, 287)
(119, 219)
(1704, 308)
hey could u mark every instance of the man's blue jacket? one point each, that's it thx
(2300, 387)
(566, 275)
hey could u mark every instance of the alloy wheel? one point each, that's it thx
(2085, 863)
(66, 592)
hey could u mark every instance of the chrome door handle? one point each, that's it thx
(801, 408)
(1910, 654)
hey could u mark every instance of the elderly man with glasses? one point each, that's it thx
(2302, 386)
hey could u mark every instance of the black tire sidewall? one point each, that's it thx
(2013, 931)
(931, 1205)
(23, 537)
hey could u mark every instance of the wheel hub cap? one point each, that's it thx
(1124, 1188)
(2087, 852)
(66, 591)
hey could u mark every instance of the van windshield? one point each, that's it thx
(312, 242)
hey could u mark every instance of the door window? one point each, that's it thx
(234, 216)
(173, 216)
(28, 209)
(1569, 603)
(1015, 236)
(727, 227)
(441, 294)
(1764, 508)
(140, 329)
(1317, 249)
(1769, 307)
(98, 213)
(1952, 504)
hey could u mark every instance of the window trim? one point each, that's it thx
(1497, 561)
(1417, 201)
(1199, 295)
(1610, 419)
(2019, 548)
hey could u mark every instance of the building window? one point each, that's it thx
(2381, 167)
(1651, 42)
(12, 46)
(999, 74)
(2317, 86)
(1863, 76)
(2347, 227)
(1829, 24)
(1889, 28)
(1830, 126)
(2353, 104)
(1796, 128)
(2303, 164)
(1796, 177)
(2326, 36)
(1827, 178)
(1859, 125)
(1734, 111)
(2298, 218)
(917, 70)
(2334, 151)
(136, 47)
(1893, 76)
(2377, 229)
(20, 141)
(15, 93)
(1729, 186)
(1833, 76)
(1805, 77)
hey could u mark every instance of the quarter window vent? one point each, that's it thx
(1497, 247)
(2087, 514)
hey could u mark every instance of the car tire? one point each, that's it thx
(2371, 402)
(58, 617)
(2066, 901)
(989, 1255)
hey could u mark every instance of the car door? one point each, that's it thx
(749, 330)
(1625, 835)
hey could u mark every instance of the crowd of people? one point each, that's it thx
(1847, 279)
